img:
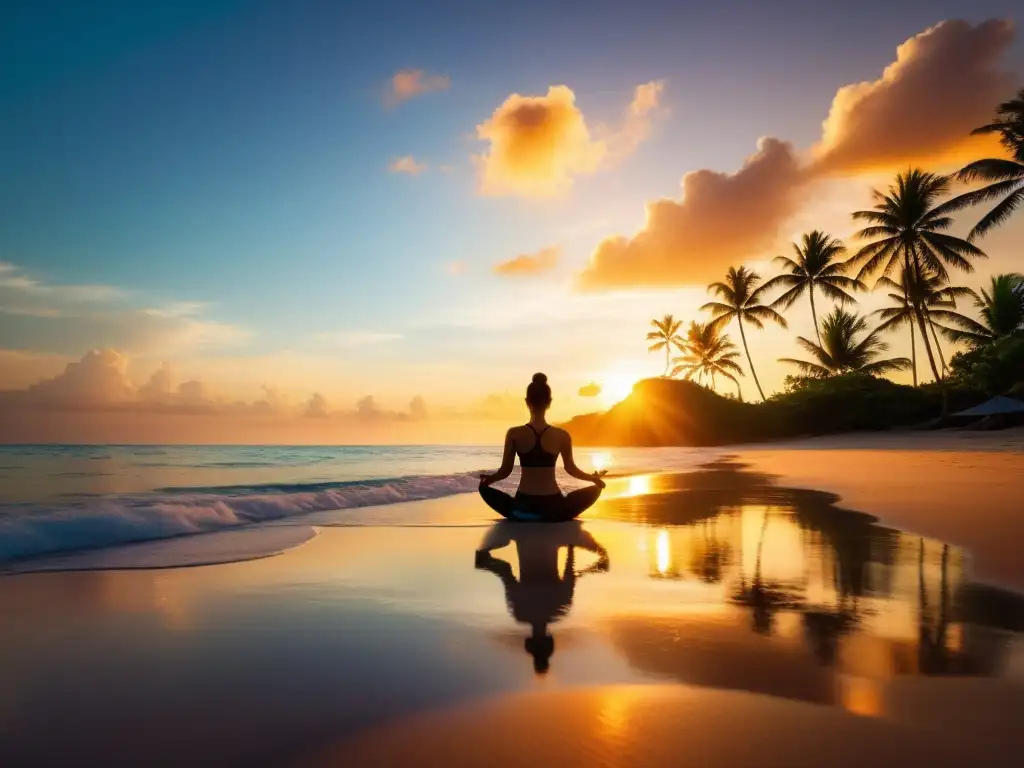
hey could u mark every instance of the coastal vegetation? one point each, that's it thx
(907, 250)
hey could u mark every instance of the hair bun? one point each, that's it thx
(540, 378)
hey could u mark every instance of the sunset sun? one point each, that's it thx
(615, 387)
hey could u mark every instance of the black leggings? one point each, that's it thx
(555, 508)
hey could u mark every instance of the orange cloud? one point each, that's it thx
(407, 164)
(645, 105)
(539, 144)
(943, 84)
(99, 383)
(592, 389)
(409, 83)
(418, 408)
(722, 219)
(317, 407)
(529, 264)
(100, 378)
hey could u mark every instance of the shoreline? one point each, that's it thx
(863, 469)
(365, 625)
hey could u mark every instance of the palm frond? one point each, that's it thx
(812, 370)
(891, 365)
(762, 312)
(788, 299)
(991, 169)
(834, 293)
(997, 215)
(718, 309)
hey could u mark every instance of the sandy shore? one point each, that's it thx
(716, 613)
(963, 487)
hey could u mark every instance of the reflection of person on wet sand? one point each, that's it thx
(541, 595)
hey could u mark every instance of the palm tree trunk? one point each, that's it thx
(750, 362)
(739, 392)
(760, 548)
(943, 598)
(922, 325)
(814, 314)
(668, 351)
(938, 348)
(913, 352)
(919, 309)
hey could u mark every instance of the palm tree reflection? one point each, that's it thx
(710, 553)
(932, 649)
(541, 595)
(764, 598)
(836, 568)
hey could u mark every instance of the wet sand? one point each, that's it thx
(964, 487)
(720, 614)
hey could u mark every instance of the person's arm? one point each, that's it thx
(585, 541)
(570, 465)
(500, 535)
(500, 568)
(508, 462)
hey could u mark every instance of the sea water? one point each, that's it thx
(57, 499)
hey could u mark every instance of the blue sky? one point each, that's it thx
(235, 154)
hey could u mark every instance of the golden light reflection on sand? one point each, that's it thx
(664, 554)
(861, 696)
(639, 485)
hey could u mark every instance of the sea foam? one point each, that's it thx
(28, 531)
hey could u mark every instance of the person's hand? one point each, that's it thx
(485, 480)
(597, 477)
(481, 558)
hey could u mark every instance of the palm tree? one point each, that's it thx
(817, 264)
(907, 228)
(900, 313)
(665, 337)
(741, 300)
(1001, 308)
(842, 352)
(708, 354)
(928, 291)
(1005, 177)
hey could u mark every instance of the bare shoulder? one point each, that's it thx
(561, 435)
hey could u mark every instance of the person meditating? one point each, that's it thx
(538, 445)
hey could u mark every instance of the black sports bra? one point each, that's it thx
(537, 456)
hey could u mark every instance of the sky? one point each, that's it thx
(316, 221)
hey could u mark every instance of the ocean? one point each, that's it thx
(67, 498)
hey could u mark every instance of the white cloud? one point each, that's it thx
(67, 318)
(349, 339)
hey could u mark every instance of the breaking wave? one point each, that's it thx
(32, 530)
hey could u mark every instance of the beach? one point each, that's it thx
(788, 602)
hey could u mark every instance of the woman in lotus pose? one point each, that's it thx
(538, 446)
